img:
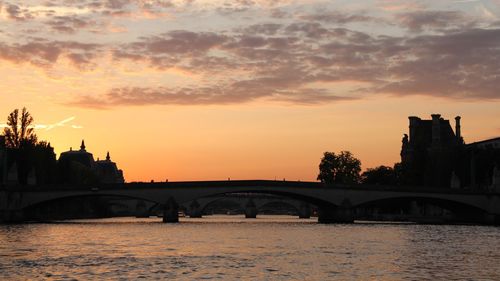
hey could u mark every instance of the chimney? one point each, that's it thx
(436, 129)
(458, 134)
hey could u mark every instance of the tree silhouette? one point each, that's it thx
(339, 168)
(26, 152)
(19, 131)
(379, 175)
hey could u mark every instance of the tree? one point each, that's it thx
(339, 168)
(20, 130)
(379, 175)
(26, 152)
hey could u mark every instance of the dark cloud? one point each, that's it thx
(308, 29)
(115, 8)
(235, 7)
(129, 8)
(462, 65)
(70, 24)
(116, 4)
(279, 14)
(261, 29)
(418, 21)
(94, 4)
(182, 41)
(46, 53)
(168, 49)
(338, 17)
(282, 62)
(298, 61)
(229, 94)
(17, 13)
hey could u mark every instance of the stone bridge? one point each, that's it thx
(335, 203)
(250, 203)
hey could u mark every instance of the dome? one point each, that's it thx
(81, 156)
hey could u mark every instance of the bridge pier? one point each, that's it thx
(250, 210)
(496, 220)
(340, 214)
(47, 212)
(140, 210)
(484, 219)
(195, 210)
(490, 219)
(171, 211)
(304, 211)
(11, 210)
(12, 216)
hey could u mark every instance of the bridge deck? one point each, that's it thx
(244, 183)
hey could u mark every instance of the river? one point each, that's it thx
(232, 247)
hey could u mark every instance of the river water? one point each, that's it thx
(232, 247)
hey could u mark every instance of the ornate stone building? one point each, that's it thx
(108, 172)
(485, 164)
(38, 166)
(79, 166)
(486, 144)
(429, 153)
(433, 155)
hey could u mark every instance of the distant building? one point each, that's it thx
(108, 172)
(79, 166)
(486, 144)
(434, 134)
(433, 155)
(485, 164)
(78, 156)
(429, 153)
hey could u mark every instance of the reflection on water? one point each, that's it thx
(230, 247)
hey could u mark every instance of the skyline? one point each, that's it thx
(250, 89)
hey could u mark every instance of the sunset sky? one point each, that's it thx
(247, 89)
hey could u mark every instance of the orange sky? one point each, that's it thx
(254, 90)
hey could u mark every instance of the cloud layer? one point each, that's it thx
(307, 55)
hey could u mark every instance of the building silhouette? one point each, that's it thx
(79, 166)
(37, 165)
(486, 144)
(108, 172)
(78, 156)
(484, 157)
(433, 155)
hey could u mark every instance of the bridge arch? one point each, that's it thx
(328, 211)
(318, 201)
(332, 201)
(85, 206)
(231, 203)
(426, 209)
(237, 203)
(282, 203)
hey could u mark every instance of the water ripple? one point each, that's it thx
(270, 248)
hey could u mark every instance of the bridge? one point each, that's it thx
(335, 203)
(248, 203)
